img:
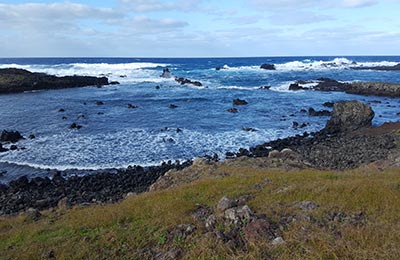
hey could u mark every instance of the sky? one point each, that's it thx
(198, 28)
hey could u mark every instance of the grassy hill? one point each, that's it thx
(355, 215)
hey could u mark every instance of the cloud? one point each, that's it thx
(55, 16)
(146, 25)
(158, 5)
(301, 4)
(298, 18)
(357, 3)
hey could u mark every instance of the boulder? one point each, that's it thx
(267, 66)
(349, 115)
(2, 149)
(10, 136)
(233, 110)
(239, 102)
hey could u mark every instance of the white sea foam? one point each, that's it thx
(71, 150)
(237, 87)
(308, 64)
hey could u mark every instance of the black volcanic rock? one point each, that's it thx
(385, 68)
(10, 136)
(18, 80)
(239, 102)
(350, 115)
(313, 112)
(184, 81)
(267, 66)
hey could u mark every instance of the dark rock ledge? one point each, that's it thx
(18, 80)
(384, 89)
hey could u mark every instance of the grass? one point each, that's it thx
(125, 230)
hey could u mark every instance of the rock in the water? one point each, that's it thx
(265, 87)
(313, 112)
(166, 74)
(233, 110)
(99, 103)
(267, 66)
(2, 149)
(328, 104)
(13, 147)
(184, 81)
(10, 136)
(172, 106)
(296, 87)
(75, 126)
(239, 102)
(132, 106)
(349, 115)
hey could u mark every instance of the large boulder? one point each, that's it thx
(267, 66)
(348, 116)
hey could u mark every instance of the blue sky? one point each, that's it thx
(199, 28)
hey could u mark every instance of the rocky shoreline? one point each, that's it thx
(347, 142)
(18, 80)
(105, 187)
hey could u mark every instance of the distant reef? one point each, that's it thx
(14, 80)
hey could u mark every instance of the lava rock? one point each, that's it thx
(239, 102)
(75, 126)
(267, 66)
(10, 136)
(350, 115)
(313, 112)
(132, 106)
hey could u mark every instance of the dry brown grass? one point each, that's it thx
(123, 230)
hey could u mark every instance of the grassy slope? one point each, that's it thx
(120, 231)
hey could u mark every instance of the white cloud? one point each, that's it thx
(300, 4)
(146, 25)
(357, 3)
(158, 5)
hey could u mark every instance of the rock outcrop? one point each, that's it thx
(349, 115)
(18, 80)
(385, 68)
(384, 89)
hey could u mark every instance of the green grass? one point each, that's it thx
(124, 230)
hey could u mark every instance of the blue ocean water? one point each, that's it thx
(115, 136)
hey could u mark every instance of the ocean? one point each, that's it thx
(115, 136)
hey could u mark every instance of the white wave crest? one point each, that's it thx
(70, 150)
(122, 72)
